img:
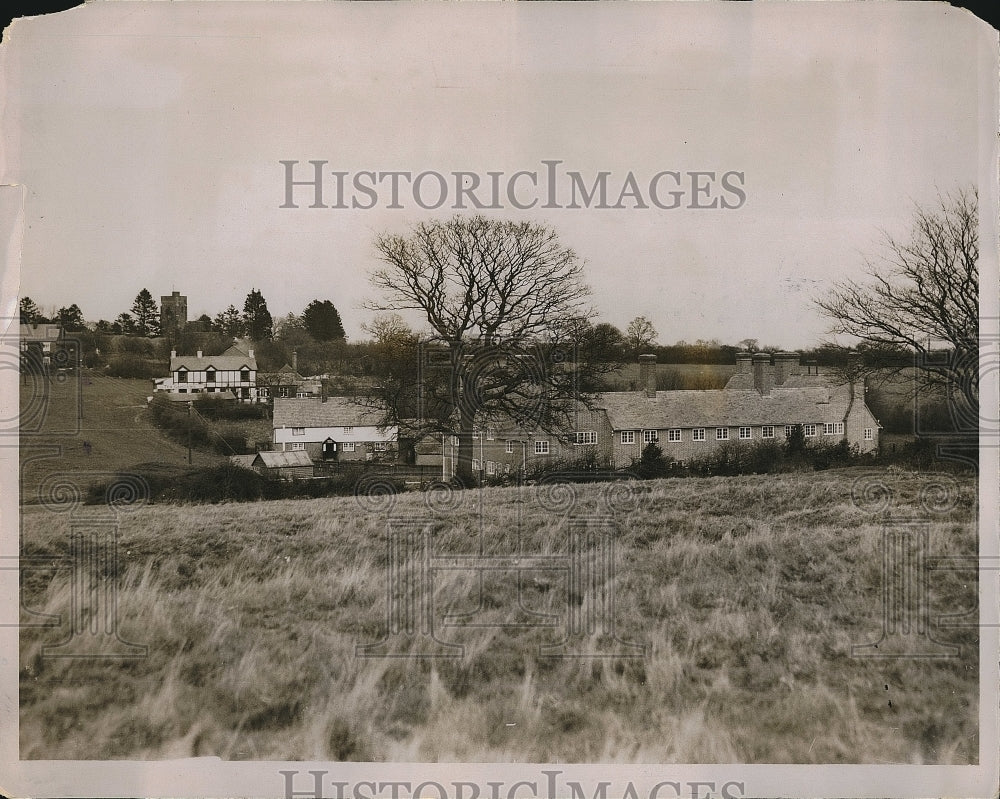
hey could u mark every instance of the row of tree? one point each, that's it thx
(320, 319)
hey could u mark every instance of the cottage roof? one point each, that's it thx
(725, 408)
(245, 461)
(334, 412)
(43, 331)
(232, 359)
(274, 460)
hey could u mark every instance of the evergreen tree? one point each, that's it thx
(145, 314)
(257, 319)
(322, 320)
(229, 323)
(71, 318)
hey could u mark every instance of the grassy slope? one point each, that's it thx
(114, 423)
(748, 593)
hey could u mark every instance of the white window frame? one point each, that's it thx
(298, 431)
(650, 436)
(490, 434)
(584, 437)
(721, 433)
(380, 446)
(348, 431)
(491, 468)
(542, 447)
(809, 430)
(869, 434)
(788, 430)
(347, 446)
(628, 436)
(475, 464)
(298, 446)
(745, 433)
(698, 434)
(510, 448)
(674, 434)
(261, 392)
(767, 431)
(301, 395)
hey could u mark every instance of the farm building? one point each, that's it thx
(287, 383)
(762, 401)
(38, 341)
(336, 429)
(283, 465)
(234, 372)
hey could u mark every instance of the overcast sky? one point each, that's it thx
(148, 137)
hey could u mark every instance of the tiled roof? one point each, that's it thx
(273, 460)
(228, 361)
(246, 461)
(633, 410)
(43, 331)
(335, 412)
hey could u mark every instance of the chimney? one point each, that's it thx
(647, 374)
(295, 361)
(763, 373)
(199, 353)
(322, 389)
(250, 354)
(743, 363)
(173, 353)
(783, 366)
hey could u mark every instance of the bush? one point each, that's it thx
(134, 366)
(652, 463)
(216, 408)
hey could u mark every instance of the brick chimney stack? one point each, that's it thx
(784, 363)
(743, 360)
(647, 374)
(199, 353)
(763, 373)
(250, 354)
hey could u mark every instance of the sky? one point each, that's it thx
(145, 140)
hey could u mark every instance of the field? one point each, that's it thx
(87, 425)
(747, 594)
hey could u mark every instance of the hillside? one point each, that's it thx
(746, 593)
(61, 417)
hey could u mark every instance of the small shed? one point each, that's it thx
(283, 465)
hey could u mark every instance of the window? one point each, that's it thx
(454, 439)
(745, 433)
(301, 394)
(211, 390)
(348, 431)
(809, 430)
(245, 375)
(298, 446)
(209, 375)
(834, 429)
(650, 436)
(298, 431)
(380, 446)
(490, 434)
(283, 392)
(767, 431)
(542, 447)
(182, 391)
(510, 447)
(588, 437)
(869, 434)
(475, 464)
(491, 467)
(347, 446)
(788, 430)
(628, 436)
(261, 392)
(698, 434)
(182, 376)
(721, 433)
(673, 435)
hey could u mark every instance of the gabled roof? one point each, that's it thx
(633, 410)
(286, 375)
(274, 460)
(231, 360)
(335, 412)
(245, 461)
(43, 331)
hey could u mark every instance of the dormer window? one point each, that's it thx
(210, 375)
(245, 375)
(182, 375)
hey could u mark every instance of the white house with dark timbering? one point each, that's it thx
(233, 373)
(332, 429)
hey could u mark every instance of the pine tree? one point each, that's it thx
(256, 318)
(322, 320)
(145, 314)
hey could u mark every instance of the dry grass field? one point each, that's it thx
(747, 593)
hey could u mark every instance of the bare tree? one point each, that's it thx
(921, 297)
(640, 334)
(500, 298)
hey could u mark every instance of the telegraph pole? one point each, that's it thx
(190, 406)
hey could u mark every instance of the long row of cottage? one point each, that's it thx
(762, 401)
